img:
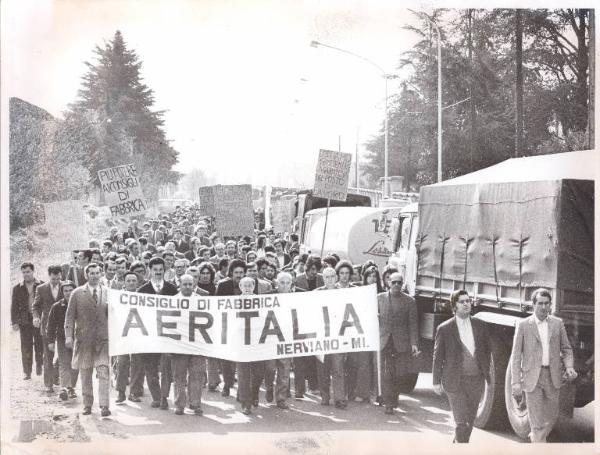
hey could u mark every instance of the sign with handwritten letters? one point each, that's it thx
(123, 191)
(331, 178)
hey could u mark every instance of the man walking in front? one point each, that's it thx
(461, 363)
(86, 332)
(540, 348)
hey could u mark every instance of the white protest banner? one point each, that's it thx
(245, 328)
(65, 222)
(234, 213)
(331, 178)
(122, 189)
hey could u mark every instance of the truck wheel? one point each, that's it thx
(491, 412)
(408, 382)
(517, 416)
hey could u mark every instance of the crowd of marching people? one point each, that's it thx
(63, 322)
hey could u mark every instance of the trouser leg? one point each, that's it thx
(102, 373)
(270, 368)
(38, 346)
(258, 374)
(228, 369)
(245, 382)
(300, 370)
(474, 387)
(196, 371)
(26, 335)
(166, 376)
(87, 389)
(151, 368)
(213, 372)
(283, 379)
(542, 407)
(48, 363)
(123, 372)
(362, 375)
(338, 379)
(64, 365)
(179, 366)
(324, 372)
(389, 377)
(136, 374)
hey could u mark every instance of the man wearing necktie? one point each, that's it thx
(86, 331)
(461, 363)
(45, 296)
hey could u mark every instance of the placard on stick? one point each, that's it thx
(283, 215)
(331, 178)
(122, 189)
(207, 200)
(233, 210)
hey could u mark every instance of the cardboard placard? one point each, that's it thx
(331, 178)
(122, 189)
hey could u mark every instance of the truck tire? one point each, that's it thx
(517, 417)
(492, 412)
(407, 382)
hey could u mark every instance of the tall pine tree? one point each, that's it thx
(120, 125)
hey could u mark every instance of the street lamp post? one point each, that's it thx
(386, 76)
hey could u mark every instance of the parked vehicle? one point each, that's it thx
(500, 233)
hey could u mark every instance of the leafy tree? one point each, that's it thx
(116, 123)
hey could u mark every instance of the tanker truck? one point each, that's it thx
(500, 233)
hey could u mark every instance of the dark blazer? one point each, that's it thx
(77, 276)
(448, 353)
(19, 307)
(167, 289)
(182, 246)
(225, 287)
(302, 281)
(43, 302)
(398, 322)
(55, 330)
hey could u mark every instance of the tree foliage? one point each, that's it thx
(478, 69)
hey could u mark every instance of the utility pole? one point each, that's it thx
(519, 84)
(591, 78)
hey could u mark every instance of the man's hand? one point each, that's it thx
(69, 343)
(36, 322)
(51, 347)
(15, 327)
(437, 388)
(517, 392)
(571, 373)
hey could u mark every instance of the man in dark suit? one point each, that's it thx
(21, 314)
(311, 279)
(399, 336)
(76, 273)
(540, 349)
(153, 362)
(461, 363)
(45, 296)
(180, 244)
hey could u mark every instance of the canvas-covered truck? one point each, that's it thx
(500, 233)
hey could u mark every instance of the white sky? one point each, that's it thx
(229, 73)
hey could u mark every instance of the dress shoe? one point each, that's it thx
(121, 398)
(269, 396)
(225, 392)
(155, 404)
(105, 412)
(38, 370)
(27, 377)
(212, 388)
(134, 398)
(72, 393)
(282, 405)
(198, 411)
(87, 410)
(389, 410)
(246, 410)
(179, 411)
(49, 389)
(164, 404)
(63, 395)
(325, 402)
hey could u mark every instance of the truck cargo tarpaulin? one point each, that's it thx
(245, 328)
(517, 234)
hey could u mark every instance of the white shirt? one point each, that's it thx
(54, 290)
(157, 286)
(465, 331)
(542, 327)
(98, 291)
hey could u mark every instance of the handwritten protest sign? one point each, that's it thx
(207, 201)
(66, 225)
(233, 210)
(283, 215)
(245, 328)
(122, 189)
(331, 178)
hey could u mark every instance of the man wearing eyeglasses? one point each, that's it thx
(398, 330)
(461, 363)
(540, 348)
